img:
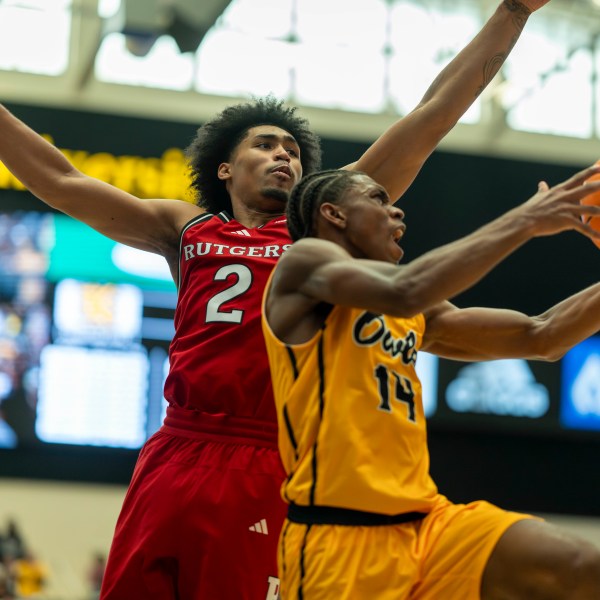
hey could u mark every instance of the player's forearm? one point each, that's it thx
(470, 72)
(449, 270)
(568, 323)
(36, 163)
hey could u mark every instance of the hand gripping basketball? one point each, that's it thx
(593, 199)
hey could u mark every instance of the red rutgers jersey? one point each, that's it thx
(218, 359)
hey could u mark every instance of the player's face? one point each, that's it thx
(374, 225)
(263, 168)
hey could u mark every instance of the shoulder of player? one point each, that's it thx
(166, 220)
(186, 215)
(301, 261)
(173, 214)
(179, 212)
(311, 253)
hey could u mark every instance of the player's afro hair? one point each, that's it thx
(217, 139)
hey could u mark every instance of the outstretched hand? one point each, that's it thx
(559, 208)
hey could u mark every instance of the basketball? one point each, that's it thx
(595, 200)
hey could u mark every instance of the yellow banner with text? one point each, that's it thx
(161, 177)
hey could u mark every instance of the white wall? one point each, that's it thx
(66, 523)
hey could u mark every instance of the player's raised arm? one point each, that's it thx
(354, 219)
(146, 224)
(396, 158)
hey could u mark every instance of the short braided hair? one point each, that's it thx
(310, 193)
(216, 140)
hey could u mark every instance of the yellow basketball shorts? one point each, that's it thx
(440, 557)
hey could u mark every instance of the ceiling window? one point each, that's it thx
(425, 37)
(370, 56)
(548, 85)
(34, 36)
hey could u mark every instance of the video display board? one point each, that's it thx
(85, 325)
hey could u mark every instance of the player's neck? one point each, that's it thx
(254, 217)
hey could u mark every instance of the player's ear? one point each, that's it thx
(333, 214)
(224, 171)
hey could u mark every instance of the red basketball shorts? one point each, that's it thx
(200, 521)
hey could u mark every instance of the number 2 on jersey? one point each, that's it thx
(214, 313)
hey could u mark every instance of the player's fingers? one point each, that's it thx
(586, 230)
(586, 211)
(578, 192)
(543, 186)
(592, 210)
(579, 178)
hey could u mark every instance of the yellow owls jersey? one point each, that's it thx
(352, 430)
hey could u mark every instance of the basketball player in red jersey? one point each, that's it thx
(203, 511)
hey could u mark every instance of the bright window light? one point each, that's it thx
(234, 64)
(356, 55)
(535, 55)
(424, 41)
(34, 36)
(549, 87)
(360, 24)
(596, 93)
(328, 54)
(108, 8)
(264, 18)
(346, 78)
(164, 66)
(562, 105)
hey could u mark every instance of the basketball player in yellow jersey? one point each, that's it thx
(343, 325)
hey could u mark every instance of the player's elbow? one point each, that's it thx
(554, 354)
(545, 345)
(59, 189)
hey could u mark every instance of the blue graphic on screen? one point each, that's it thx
(580, 402)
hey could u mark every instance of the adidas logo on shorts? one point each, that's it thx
(260, 527)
